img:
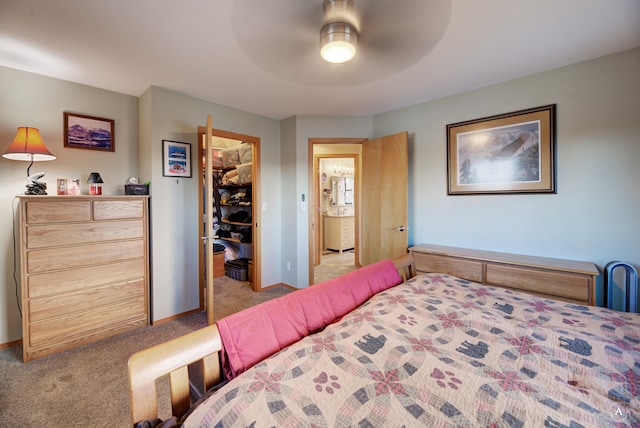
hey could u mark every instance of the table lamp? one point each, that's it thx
(28, 146)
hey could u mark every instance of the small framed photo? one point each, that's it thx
(507, 153)
(69, 186)
(89, 132)
(176, 159)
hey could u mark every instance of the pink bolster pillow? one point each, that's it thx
(251, 335)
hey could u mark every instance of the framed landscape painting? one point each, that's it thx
(89, 132)
(507, 153)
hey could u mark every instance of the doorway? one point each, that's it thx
(337, 223)
(334, 215)
(243, 236)
(380, 196)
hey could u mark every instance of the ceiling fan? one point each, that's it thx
(283, 36)
(339, 32)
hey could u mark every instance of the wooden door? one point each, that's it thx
(208, 235)
(384, 207)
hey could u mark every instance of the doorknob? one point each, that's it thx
(400, 229)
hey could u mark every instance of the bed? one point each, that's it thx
(431, 350)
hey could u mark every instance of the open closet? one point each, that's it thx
(228, 200)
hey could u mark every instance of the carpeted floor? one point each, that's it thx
(334, 264)
(87, 386)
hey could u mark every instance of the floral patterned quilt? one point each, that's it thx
(439, 351)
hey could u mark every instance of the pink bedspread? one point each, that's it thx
(439, 351)
(252, 335)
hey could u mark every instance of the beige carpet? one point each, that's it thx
(87, 386)
(334, 264)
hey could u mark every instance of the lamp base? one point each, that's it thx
(35, 186)
(36, 190)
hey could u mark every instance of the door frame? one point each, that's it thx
(315, 214)
(256, 282)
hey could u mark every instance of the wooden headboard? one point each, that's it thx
(568, 280)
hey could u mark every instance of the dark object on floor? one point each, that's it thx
(236, 269)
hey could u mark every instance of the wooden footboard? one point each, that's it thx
(173, 358)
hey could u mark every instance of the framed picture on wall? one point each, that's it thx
(507, 153)
(89, 132)
(176, 159)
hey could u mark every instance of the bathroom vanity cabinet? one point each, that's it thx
(339, 232)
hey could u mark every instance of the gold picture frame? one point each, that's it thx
(507, 153)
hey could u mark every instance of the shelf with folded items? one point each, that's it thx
(236, 223)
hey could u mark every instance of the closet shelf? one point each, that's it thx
(233, 186)
(236, 223)
(234, 240)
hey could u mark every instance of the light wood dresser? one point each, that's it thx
(84, 269)
(567, 280)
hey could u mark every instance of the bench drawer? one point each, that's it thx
(551, 283)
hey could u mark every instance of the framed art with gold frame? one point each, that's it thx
(506, 153)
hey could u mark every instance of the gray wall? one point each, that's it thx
(594, 215)
(174, 202)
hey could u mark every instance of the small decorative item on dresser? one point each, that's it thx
(69, 186)
(95, 183)
(133, 188)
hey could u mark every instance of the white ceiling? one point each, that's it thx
(223, 50)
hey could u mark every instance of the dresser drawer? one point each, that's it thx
(552, 283)
(49, 259)
(66, 281)
(466, 269)
(83, 300)
(48, 211)
(68, 329)
(112, 210)
(42, 236)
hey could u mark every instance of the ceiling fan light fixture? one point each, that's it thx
(338, 42)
